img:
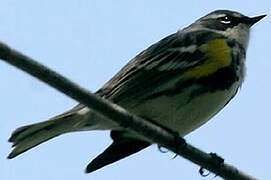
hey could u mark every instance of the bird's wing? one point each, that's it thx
(150, 71)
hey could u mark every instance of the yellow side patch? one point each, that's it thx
(218, 55)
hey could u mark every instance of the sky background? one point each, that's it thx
(89, 41)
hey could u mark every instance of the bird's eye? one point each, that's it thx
(225, 20)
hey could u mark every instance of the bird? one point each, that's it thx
(179, 82)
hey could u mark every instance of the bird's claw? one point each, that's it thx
(217, 160)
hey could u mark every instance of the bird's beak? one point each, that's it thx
(252, 20)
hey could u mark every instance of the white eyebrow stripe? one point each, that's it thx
(215, 16)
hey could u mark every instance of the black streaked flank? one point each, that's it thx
(223, 79)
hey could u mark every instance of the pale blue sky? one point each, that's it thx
(89, 41)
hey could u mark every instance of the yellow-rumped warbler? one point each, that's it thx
(179, 82)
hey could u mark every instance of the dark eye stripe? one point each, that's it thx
(222, 23)
(229, 21)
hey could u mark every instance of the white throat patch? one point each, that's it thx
(240, 33)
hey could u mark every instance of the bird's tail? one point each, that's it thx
(27, 137)
(124, 144)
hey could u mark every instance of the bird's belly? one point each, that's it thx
(182, 114)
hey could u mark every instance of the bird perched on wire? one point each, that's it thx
(180, 83)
